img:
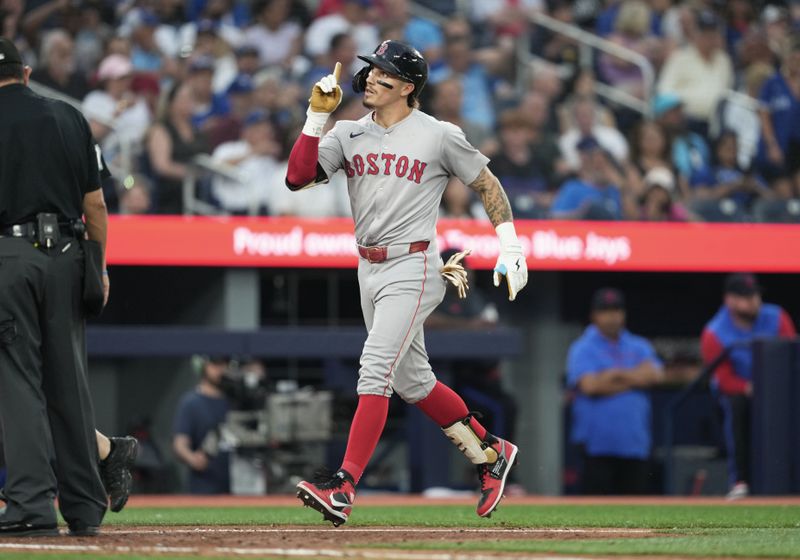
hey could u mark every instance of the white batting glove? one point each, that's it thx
(511, 261)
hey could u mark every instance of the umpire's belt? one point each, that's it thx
(29, 230)
(380, 253)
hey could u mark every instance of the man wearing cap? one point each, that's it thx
(594, 193)
(609, 369)
(50, 170)
(689, 152)
(742, 317)
(255, 157)
(199, 413)
(700, 72)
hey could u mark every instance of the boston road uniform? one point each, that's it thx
(614, 430)
(396, 177)
(48, 162)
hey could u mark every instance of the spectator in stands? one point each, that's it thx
(277, 36)
(459, 61)
(478, 381)
(145, 55)
(723, 191)
(195, 430)
(502, 20)
(660, 201)
(742, 317)
(778, 154)
(632, 31)
(742, 115)
(279, 97)
(584, 125)
(247, 60)
(171, 144)
(526, 165)
(583, 87)
(56, 68)
(649, 150)
(210, 108)
(699, 73)
(546, 81)
(740, 18)
(459, 203)
(118, 117)
(342, 48)
(331, 199)
(610, 370)
(594, 194)
(352, 18)
(135, 195)
(254, 159)
(425, 35)
(555, 47)
(209, 45)
(446, 104)
(689, 150)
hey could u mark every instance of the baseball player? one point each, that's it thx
(398, 160)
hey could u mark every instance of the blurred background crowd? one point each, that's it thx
(662, 110)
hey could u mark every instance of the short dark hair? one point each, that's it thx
(11, 71)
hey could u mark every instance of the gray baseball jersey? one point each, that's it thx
(396, 177)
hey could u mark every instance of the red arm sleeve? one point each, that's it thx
(786, 326)
(302, 168)
(729, 382)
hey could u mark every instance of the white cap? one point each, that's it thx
(114, 66)
(662, 177)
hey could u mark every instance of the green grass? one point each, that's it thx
(763, 543)
(628, 516)
(681, 531)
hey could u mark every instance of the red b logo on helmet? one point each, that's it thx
(382, 48)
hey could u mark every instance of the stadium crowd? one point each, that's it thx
(163, 81)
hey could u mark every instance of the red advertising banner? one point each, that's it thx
(549, 245)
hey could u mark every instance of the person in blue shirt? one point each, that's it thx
(779, 145)
(199, 413)
(742, 317)
(592, 194)
(610, 369)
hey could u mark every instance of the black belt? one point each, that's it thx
(29, 230)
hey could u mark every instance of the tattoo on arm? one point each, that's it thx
(493, 197)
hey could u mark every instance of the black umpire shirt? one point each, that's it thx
(48, 158)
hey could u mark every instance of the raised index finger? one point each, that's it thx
(337, 71)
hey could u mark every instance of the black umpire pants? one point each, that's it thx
(45, 405)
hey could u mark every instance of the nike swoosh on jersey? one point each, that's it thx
(354, 134)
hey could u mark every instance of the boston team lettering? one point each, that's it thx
(385, 164)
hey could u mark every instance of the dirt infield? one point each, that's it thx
(324, 541)
(292, 541)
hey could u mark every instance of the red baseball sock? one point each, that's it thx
(444, 406)
(365, 431)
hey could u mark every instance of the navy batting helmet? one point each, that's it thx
(399, 59)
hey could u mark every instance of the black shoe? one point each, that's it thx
(23, 529)
(115, 470)
(81, 530)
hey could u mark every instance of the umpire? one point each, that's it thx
(49, 177)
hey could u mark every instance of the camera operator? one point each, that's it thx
(195, 430)
(245, 385)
